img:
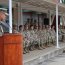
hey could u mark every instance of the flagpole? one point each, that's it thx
(57, 40)
(10, 16)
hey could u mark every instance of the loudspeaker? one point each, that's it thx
(46, 21)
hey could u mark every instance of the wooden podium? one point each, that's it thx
(11, 49)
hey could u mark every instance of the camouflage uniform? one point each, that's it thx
(15, 29)
(53, 35)
(48, 35)
(21, 30)
(27, 39)
(44, 36)
(63, 33)
(33, 37)
(40, 35)
(60, 34)
(24, 43)
(37, 39)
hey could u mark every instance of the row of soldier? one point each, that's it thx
(36, 38)
(61, 33)
(40, 37)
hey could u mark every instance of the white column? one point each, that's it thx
(20, 15)
(63, 20)
(10, 16)
(60, 1)
(52, 18)
(57, 41)
(50, 22)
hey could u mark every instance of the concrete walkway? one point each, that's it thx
(39, 56)
(58, 60)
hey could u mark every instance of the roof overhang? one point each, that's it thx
(47, 4)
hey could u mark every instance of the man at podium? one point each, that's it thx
(3, 15)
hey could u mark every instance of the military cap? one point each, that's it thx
(4, 10)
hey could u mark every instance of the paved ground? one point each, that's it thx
(32, 55)
(58, 60)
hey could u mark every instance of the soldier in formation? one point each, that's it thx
(27, 38)
(21, 30)
(60, 32)
(63, 33)
(53, 35)
(44, 35)
(15, 29)
(47, 35)
(36, 38)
